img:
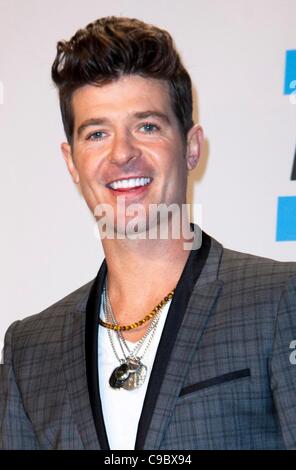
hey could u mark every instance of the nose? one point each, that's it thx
(124, 148)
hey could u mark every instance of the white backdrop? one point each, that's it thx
(235, 52)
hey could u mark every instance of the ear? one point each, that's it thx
(195, 140)
(67, 153)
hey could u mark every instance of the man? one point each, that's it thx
(168, 348)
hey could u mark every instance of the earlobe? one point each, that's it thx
(67, 154)
(194, 146)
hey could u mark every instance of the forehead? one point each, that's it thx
(128, 94)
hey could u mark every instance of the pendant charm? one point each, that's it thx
(129, 375)
(119, 375)
(137, 375)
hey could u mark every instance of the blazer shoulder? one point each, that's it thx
(52, 318)
(255, 270)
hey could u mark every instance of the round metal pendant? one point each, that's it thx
(129, 375)
(119, 375)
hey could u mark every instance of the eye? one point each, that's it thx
(149, 128)
(98, 135)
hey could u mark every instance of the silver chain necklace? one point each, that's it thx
(120, 337)
(131, 372)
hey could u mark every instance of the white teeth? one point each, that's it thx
(130, 183)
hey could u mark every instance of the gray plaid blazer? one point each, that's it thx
(224, 376)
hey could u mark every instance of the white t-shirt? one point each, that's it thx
(122, 408)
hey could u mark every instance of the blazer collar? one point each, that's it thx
(75, 370)
(91, 352)
(191, 306)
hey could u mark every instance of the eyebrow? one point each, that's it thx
(91, 122)
(148, 114)
(138, 115)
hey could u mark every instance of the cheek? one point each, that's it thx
(85, 160)
(169, 154)
(175, 165)
(87, 169)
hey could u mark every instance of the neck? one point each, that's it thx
(144, 267)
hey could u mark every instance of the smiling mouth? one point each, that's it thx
(129, 183)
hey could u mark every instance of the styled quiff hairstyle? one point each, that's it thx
(114, 46)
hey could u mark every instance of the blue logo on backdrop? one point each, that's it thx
(286, 219)
(286, 210)
(290, 75)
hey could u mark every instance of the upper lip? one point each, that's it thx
(128, 178)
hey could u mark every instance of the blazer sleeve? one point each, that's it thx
(283, 364)
(16, 431)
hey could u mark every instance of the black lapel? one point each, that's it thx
(91, 352)
(191, 272)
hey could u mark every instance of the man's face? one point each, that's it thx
(127, 142)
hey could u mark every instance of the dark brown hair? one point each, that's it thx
(111, 47)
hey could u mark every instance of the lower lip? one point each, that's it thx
(130, 191)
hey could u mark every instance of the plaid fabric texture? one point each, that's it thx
(229, 382)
